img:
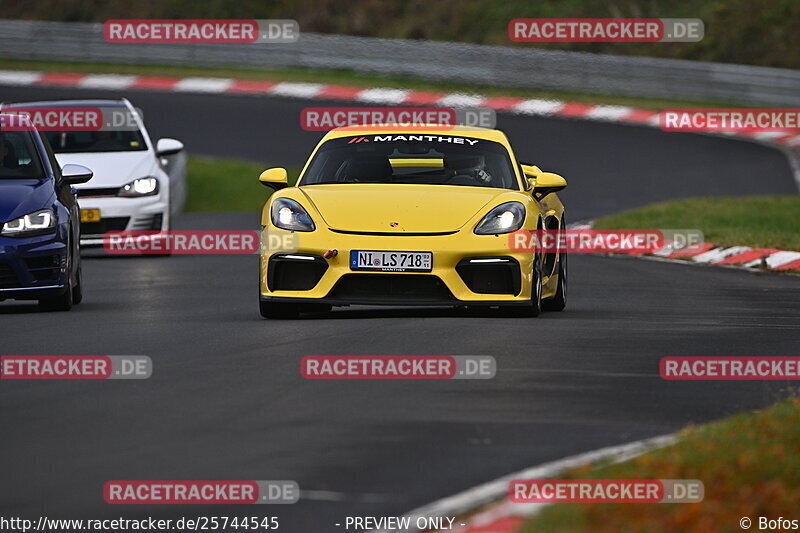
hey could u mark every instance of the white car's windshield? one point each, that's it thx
(412, 159)
(95, 141)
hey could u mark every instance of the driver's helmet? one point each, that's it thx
(472, 165)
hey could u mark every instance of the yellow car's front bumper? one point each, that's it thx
(301, 274)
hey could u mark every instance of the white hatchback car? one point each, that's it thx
(137, 186)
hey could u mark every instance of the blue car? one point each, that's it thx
(39, 219)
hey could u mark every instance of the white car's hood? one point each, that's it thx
(112, 169)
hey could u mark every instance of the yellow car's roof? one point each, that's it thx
(419, 129)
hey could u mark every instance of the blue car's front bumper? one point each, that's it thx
(33, 267)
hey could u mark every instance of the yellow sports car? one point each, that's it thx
(410, 216)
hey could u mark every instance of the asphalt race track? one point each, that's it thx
(226, 400)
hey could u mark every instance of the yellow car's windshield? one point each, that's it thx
(412, 159)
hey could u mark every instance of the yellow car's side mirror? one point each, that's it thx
(274, 177)
(547, 182)
(529, 173)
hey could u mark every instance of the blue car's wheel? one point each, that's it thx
(62, 302)
(77, 291)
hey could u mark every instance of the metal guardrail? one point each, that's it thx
(428, 60)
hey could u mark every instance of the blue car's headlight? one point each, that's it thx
(288, 214)
(142, 187)
(504, 218)
(36, 223)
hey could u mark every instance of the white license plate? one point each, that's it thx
(391, 261)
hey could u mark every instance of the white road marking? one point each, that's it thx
(297, 90)
(382, 95)
(107, 81)
(203, 85)
(668, 249)
(461, 100)
(755, 263)
(613, 113)
(718, 254)
(781, 258)
(492, 491)
(536, 106)
(19, 77)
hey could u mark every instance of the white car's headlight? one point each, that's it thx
(288, 214)
(141, 187)
(36, 223)
(504, 218)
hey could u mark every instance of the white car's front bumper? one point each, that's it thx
(150, 213)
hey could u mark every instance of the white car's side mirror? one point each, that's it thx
(167, 146)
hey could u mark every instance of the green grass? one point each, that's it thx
(226, 185)
(348, 78)
(748, 464)
(756, 221)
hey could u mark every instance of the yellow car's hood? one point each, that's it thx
(398, 208)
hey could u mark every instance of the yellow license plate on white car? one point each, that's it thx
(90, 215)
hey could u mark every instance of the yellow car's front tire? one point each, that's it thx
(535, 308)
(559, 301)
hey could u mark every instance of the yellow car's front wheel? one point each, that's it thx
(559, 300)
(535, 308)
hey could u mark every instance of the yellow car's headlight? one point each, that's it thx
(504, 218)
(288, 214)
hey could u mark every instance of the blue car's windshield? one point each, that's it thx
(18, 156)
